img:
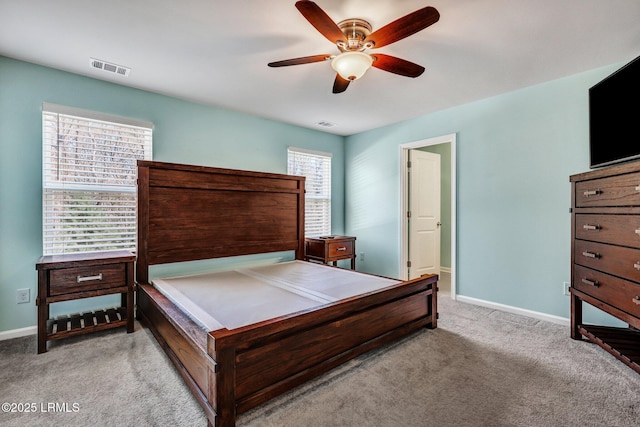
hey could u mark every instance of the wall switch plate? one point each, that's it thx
(23, 296)
(565, 288)
(361, 257)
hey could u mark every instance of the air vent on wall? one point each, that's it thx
(109, 67)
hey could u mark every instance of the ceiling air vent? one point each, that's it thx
(325, 124)
(109, 67)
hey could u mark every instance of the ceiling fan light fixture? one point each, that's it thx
(351, 65)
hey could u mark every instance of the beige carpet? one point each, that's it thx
(479, 368)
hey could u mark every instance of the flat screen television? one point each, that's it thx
(614, 117)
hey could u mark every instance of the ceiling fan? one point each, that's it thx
(354, 36)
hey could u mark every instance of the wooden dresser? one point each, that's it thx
(605, 257)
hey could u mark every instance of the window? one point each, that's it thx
(89, 175)
(316, 167)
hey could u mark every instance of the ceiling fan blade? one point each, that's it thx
(340, 84)
(404, 27)
(320, 20)
(299, 61)
(396, 65)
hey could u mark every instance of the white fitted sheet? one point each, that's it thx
(232, 299)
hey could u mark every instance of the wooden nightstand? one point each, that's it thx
(331, 249)
(75, 276)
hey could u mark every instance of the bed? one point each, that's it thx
(231, 361)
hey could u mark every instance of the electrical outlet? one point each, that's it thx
(23, 296)
(361, 257)
(565, 288)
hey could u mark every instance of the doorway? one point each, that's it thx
(446, 143)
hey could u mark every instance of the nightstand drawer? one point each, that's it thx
(338, 249)
(80, 279)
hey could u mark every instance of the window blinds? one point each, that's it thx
(89, 179)
(316, 167)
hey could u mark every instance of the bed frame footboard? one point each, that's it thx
(271, 358)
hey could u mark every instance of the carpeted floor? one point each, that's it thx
(481, 367)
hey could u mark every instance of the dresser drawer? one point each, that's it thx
(616, 260)
(621, 230)
(337, 249)
(618, 190)
(617, 292)
(79, 279)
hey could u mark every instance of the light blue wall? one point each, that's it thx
(515, 153)
(184, 133)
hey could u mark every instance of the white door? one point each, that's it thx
(424, 213)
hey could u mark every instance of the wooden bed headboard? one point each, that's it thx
(188, 213)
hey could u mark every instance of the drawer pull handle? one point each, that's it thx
(597, 227)
(637, 230)
(637, 187)
(592, 255)
(341, 248)
(588, 193)
(636, 300)
(89, 278)
(593, 283)
(637, 265)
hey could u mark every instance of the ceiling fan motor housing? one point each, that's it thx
(356, 30)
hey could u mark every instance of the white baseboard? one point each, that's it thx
(33, 330)
(515, 310)
(17, 333)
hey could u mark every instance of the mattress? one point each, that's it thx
(237, 298)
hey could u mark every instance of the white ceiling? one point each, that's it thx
(215, 52)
